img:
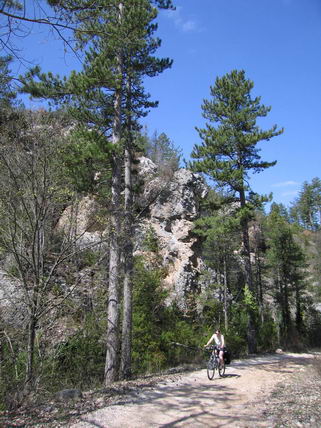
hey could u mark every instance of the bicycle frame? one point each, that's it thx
(214, 364)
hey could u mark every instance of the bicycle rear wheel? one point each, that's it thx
(210, 368)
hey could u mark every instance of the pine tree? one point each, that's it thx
(7, 94)
(286, 262)
(306, 210)
(219, 231)
(161, 150)
(107, 98)
(229, 153)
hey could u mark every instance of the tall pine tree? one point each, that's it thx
(107, 98)
(229, 153)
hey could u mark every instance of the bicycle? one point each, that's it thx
(214, 364)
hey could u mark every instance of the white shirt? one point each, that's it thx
(219, 340)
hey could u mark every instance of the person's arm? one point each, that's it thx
(210, 341)
(223, 341)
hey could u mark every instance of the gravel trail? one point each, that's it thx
(191, 400)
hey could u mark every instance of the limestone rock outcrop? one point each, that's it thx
(170, 206)
(167, 206)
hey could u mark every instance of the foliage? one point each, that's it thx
(150, 242)
(87, 162)
(249, 299)
(229, 153)
(7, 94)
(79, 361)
(287, 261)
(313, 330)
(306, 209)
(236, 343)
(148, 312)
(35, 191)
(268, 337)
(162, 335)
(161, 150)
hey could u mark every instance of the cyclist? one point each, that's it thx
(219, 340)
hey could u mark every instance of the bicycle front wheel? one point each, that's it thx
(210, 369)
(221, 370)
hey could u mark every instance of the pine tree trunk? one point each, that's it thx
(113, 308)
(251, 326)
(287, 315)
(225, 295)
(298, 313)
(259, 283)
(125, 368)
(128, 273)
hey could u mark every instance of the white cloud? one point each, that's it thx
(286, 184)
(293, 193)
(186, 25)
(189, 26)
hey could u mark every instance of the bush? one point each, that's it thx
(267, 336)
(148, 314)
(157, 327)
(313, 328)
(12, 371)
(78, 362)
(236, 344)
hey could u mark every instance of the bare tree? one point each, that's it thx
(17, 19)
(33, 193)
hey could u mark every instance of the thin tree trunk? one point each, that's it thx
(30, 349)
(298, 314)
(259, 284)
(225, 295)
(113, 285)
(125, 368)
(128, 274)
(251, 328)
(287, 314)
(112, 356)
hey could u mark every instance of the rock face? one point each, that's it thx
(170, 207)
(81, 221)
(13, 309)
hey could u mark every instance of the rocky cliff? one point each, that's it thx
(169, 206)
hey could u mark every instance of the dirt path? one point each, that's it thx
(191, 400)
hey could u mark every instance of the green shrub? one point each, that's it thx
(236, 343)
(12, 375)
(158, 327)
(313, 328)
(79, 361)
(267, 336)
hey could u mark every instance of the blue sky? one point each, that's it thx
(276, 42)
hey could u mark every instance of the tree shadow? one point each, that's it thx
(180, 401)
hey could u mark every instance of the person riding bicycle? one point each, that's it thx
(219, 340)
